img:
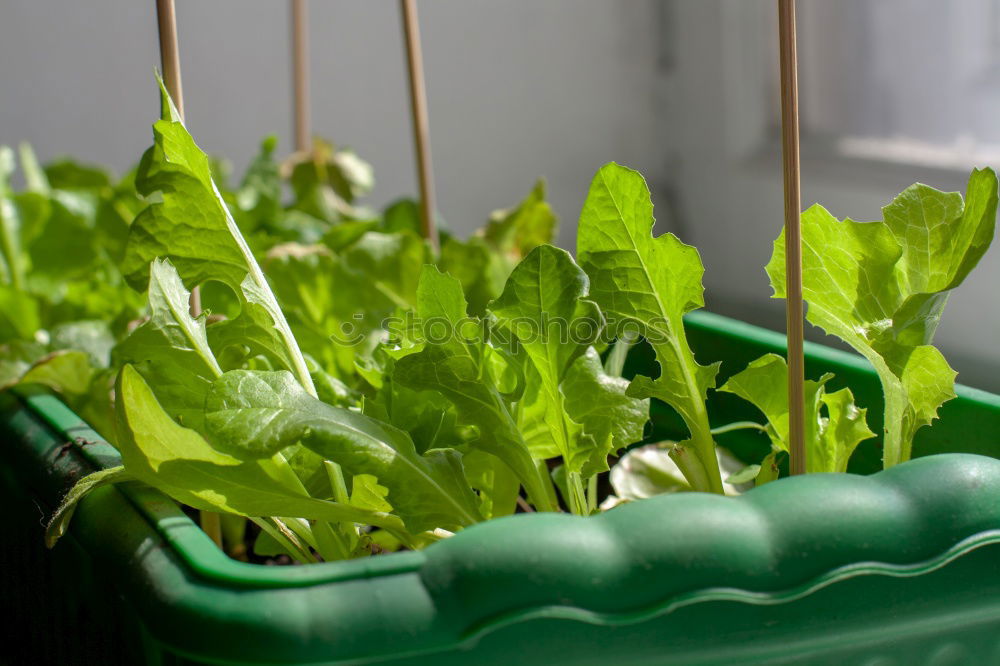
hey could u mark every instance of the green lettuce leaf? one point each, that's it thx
(335, 312)
(60, 519)
(829, 439)
(882, 286)
(258, 198)
(453, 361)
(481, 270)
(193, 228)
(600, 403)
(496, 484)
(253, 415)
(179, 462)
(12, 260)
(171, 349)
(389, 264)
(326, 181)
(517, 231)
(543, 307)
(645, 285)
(20, 316)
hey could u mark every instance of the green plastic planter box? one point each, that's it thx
(898, 568)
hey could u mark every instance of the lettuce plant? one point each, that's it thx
(882, 286)
(362, 393)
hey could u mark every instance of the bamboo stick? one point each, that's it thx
(418, 107)
(793, 234)
(300, 74)
(170, 63)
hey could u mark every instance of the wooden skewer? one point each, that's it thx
(170, 63)
(793, 234)
(166, 20)
(300, 74)
(421, 133)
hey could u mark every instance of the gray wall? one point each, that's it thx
(517, 89)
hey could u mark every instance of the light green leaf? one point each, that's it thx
(544, 307)
(769, 468)
(253, 328)
(599, 402)
(366, 493)
(844, 428)
(830, 440)
(19, 314)
(16, 358)
(497, 485)
(60, 519)
(67, 174)
(453, 363)
(645, 285)
(335, 313)
(517, 231)
(193, 228)
(93, 337)
(257, 414)
(171, 349)
(179, 462)
(389, 265)
(745, 475)
(479, 268)
(402, 215)
(12, 261)
(429, 418)
(67, 246)
(35, 179)
(341, 236)
(327, 180)
(70, 373)
(882, 286)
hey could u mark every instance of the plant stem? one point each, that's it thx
(337, 538)
(592, 494)
(692, 468)
(337, 483)
(234, 535)
(286, 538)
(696, 415)
(738, 425)
(300, 527)
(704, 446)
(211, 524)
(616, 359)
(330, 543)
(543, 496)
(577, 500)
